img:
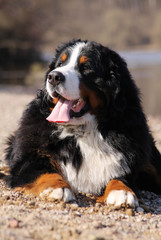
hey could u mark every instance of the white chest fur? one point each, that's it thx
(101, 163)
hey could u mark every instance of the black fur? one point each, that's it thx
(121, 120)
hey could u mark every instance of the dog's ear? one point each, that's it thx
(117, 80)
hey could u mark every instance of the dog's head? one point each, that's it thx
(87, 79)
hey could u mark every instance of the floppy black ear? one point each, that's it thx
(118, 77)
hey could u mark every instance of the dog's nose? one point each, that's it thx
(56, 77)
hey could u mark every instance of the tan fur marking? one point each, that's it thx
(53, 180)
(63, 57)
(83, 59)
(55, 100)
(114, 185)
(95, 100)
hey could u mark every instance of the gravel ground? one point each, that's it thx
(28, 217)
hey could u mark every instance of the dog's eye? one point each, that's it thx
(62, 60)
(85, 67)
(60, 64)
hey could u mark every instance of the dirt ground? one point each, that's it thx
(28, 217)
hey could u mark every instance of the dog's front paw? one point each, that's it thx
(119, 198)
(118, 195)
(50, 186)
(58, 193)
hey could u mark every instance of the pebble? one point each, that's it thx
(32, 204)
(76, 213)
(129, 212)
(90, 210)
(154, 225)
(93, 237)
(140, 210)
(13, 223)
(74, 205)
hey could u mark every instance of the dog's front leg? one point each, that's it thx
(51, 186)
(118, 194)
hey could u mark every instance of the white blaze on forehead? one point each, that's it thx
(70, 89)
(75, 54)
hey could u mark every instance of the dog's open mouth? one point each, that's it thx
(65, 109)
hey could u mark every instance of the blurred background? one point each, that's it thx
(30, 31)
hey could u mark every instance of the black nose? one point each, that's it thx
(56, 77)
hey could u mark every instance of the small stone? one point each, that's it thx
(88, 194)
(105, 212)
(91, 210)
(140, 210)
(96, 209)
(98, 204)
(52, 228)
(62, 205)
(77, 231)
(76, 213)
(129, 212)
(149, 215)
(7, 197)
(74, 205)
(154, 225)
(99, 225)
(32, 204)
(93, 237)
(13, 223)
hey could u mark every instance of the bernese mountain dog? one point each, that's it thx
(85, 132)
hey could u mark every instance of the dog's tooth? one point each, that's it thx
(79, 101)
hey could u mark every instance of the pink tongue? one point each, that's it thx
(60, 113)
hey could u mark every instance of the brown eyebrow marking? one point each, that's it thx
(64, 57)
(83, 59)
